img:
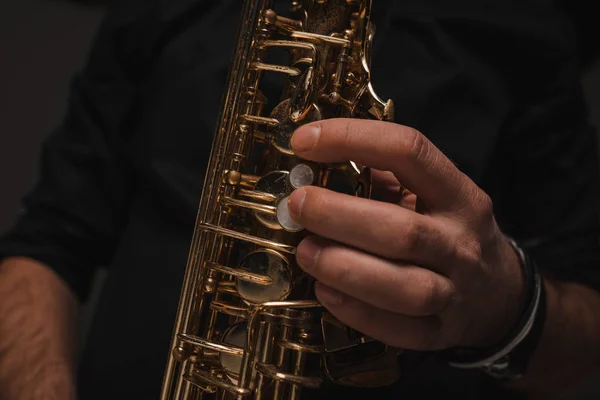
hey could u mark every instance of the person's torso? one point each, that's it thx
(459, 75)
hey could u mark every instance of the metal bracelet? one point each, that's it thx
(526, 328)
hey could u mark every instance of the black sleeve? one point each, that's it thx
(543, 171)
(585, 22)
(72, 217)
(546, 189)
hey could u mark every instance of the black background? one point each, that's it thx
(42, 42)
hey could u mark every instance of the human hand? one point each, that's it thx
(431, 276)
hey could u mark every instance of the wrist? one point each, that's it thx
(510, 358)
(512, 299)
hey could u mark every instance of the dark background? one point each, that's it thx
(42, 42)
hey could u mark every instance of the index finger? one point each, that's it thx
(409, 155)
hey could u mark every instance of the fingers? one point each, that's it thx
(379, 228)
(387, 188)
(385, 182)
(409, 201)
(408, 290)
(413, 159)
(413, 333)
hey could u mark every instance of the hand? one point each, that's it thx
(437, 275)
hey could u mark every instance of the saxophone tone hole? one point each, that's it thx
(275, 183)
(282, 133)
(270, 264)
(235, 335)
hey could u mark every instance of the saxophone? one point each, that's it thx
(248, 324)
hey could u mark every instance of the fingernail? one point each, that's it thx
(307, 253)
(295, 202)
(305, 138)
(327, 295)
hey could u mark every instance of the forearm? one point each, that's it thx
(569, 349)
(37, 333)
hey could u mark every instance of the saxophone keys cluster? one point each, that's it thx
(249, 324)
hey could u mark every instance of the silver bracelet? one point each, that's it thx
(497, 359)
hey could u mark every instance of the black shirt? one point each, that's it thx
(494, 84)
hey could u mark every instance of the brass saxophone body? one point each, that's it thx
(248, 324)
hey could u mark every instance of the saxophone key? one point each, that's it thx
(281, 134)
(275, 184)
(301, 175)
(234, 336)
(269, 264)
(285, 219)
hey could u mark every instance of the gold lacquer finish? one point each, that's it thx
(248, 323)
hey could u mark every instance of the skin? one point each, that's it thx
(430, 268)
(38, 316)
(423, 274)
(410, 273)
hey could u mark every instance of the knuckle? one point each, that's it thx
(429, 297)
(418, 145)
(483, 205)
(470, 251)
(408, 238)
(484, 223)
(412, 144)
(346, 132)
